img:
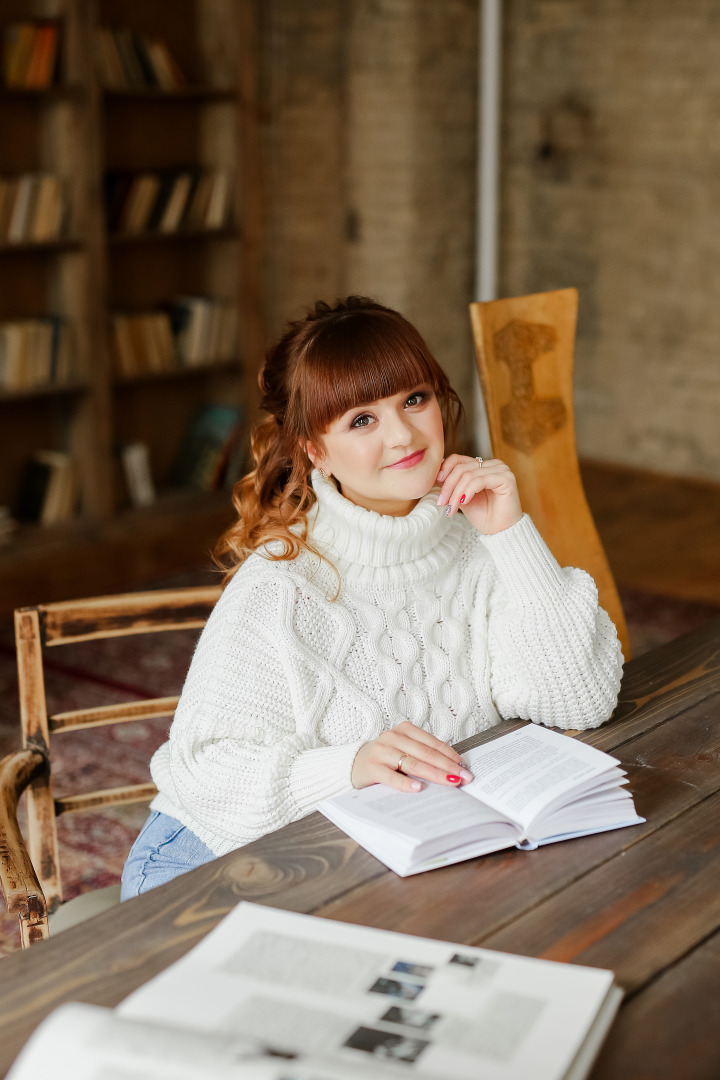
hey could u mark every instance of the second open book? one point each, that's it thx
(531, 787)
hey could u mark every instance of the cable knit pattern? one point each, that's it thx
(433, 623)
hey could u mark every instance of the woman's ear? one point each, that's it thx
(313, 453)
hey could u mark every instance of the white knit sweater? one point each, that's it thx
(434, 623)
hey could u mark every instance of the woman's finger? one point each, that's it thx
(423, 770)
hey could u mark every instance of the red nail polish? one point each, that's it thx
(452, 779)
(462, 499)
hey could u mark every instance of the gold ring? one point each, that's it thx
(398, 767)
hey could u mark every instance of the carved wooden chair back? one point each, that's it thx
(524, 348)
(30, 875)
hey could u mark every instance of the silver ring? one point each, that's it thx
(398, 767)
(479, 461)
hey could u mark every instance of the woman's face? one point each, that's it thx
(386, 454)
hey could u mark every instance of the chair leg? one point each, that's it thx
(33, 930)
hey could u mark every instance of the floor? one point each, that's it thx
(661, 533)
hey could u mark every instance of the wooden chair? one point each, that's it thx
(524, 349)
(30, 875)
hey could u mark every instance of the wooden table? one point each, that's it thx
(643, 901)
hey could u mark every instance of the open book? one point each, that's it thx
(530, 787)
(272, 995)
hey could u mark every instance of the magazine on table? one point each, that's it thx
(274, 995)
(532, 786)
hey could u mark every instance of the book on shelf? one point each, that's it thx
(167, 201)
(274, 995)
(205, 329)
(29, 55)
(32, 208)
(135, 459)
(35, 353)
(127, 60)
(142, 344)
(48, 488)
(531, 787)
(206, 445)
(193, 331)
(8, 525)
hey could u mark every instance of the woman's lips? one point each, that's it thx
(408, 462)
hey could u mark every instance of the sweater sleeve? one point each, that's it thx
(554, 652)
(240, 760)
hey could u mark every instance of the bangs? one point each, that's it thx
(355, 361)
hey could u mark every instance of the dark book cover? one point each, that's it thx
(204, 447)
(33, 490)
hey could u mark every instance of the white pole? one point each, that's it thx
(488, 176)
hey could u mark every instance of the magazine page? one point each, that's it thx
(369, 1001)
(86, 1042)
(533, 771)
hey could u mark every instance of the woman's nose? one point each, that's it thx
(398, 431)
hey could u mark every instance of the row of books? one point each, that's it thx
(30, 55)
(132, 61)
(192, 332)
(32, 208)
(168, 201)
(212, 455)
(35, 352)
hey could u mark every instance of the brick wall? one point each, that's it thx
(369, 118)
(610, 183)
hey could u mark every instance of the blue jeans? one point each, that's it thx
(163, 850)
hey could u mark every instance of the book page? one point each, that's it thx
(409, 831)
(86, 1042)
(358, 1001)
(529, 770)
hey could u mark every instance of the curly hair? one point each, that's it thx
(353, 352)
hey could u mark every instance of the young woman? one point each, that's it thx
(383, 601)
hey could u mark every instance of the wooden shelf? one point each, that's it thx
(201, 94)
(88, 558)
(124, 239)
(133, 131)
(41, 247)
(217, 367)
(53, 390)
(49, 94)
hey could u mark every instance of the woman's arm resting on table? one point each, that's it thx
(555, 655)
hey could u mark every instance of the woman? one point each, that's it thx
(383, 601)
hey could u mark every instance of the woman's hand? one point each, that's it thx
(418, 753)
(485, 491)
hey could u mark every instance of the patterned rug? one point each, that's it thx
(94, 846)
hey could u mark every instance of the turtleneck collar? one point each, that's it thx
(388, 550)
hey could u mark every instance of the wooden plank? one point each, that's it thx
(113, 714)
(638, 913)
(671, 770)
(662, 1033)
(661, 684)
(129, 613)
(41, 830)
(90, 800)
(298, 868)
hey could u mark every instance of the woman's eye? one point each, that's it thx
(361, 421)
(415, 399)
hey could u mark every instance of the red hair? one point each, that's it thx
(337, 357)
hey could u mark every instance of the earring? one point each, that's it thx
(325, 475)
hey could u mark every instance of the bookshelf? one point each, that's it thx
(108, 263)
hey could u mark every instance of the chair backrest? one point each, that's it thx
(47, 626)
(524, 348)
